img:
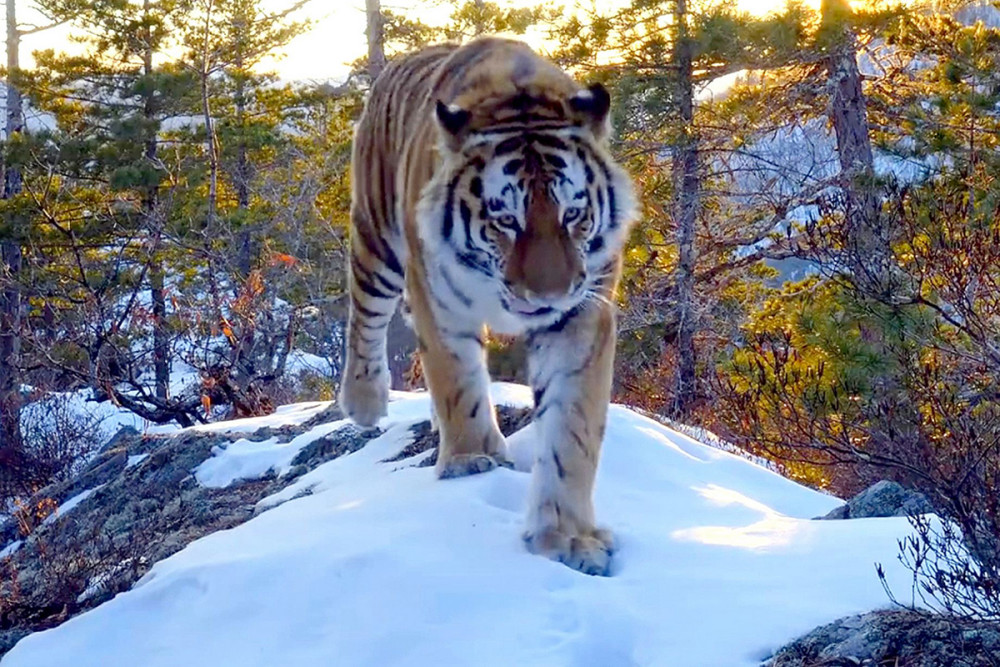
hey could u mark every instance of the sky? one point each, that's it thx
(336, 38)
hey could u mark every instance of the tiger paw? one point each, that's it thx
(589, 552)
(365, 399)
(461, 465)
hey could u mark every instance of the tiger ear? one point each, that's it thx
(593, 104)
(454, 120)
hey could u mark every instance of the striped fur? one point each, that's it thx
(483, 189)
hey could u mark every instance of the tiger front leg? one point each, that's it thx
(454, 367)
(455, 370)
(571, 366)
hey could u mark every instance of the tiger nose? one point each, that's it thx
(575, 284)
(550, 274)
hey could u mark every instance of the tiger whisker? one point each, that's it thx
(597, 297)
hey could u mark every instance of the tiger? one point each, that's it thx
(484, 194)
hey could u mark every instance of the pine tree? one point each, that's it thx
(657, 57)
(12, 234)
(867, 238)
(242, 113)
(685, 210)
(883, 364)
(468, 19)
(10, 260)
(109, 105)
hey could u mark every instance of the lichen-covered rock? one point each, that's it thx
(900, 638)
(883, 499)
(124, 435)
(345, 440)
(426, 439)
(136, 515)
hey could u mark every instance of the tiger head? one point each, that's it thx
(526, 196)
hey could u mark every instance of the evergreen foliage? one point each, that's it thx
(815, 274)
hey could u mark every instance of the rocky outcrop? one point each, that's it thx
(882, 499)
(895, 637)
(140, 504)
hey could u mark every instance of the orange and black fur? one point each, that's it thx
(484, 192)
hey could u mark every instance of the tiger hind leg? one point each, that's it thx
(374, 284)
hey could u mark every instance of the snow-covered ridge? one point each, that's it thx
(369, 562)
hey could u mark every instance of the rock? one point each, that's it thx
(426, 438)
(883, 499)
(345, 440)
(838, 513)
(125, 436)
(10, 637)
(141, 515)
(102, 469)
(895, 637)
(147, 512)
(331, 414)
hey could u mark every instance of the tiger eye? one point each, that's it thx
(572, 215)
(506, 224)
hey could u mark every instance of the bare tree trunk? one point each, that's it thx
(10, 262)
(157, 289)
(867, 239)
(161, 345)
(480, 23)
(245, 242)
(211, 148)
(245, 354)
(206, 111)
(400, 340)
(376, 38)
(685, 173)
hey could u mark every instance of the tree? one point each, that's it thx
(468, 20)
(685, 259)
(121, 283)
(401, 343)
(243, 131)
(849, 117)
(109, 104)
(685, 211)
(10, 260)
(11, 238)
(376, 38)
(883, 364)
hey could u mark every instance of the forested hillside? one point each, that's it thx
(815, 276)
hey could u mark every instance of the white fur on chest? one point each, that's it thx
(476, 303)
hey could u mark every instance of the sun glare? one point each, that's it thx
(337, 36)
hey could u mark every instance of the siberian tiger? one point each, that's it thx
(484, 192)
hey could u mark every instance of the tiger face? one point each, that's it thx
(528, 209)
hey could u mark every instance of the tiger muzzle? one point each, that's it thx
(544, 266)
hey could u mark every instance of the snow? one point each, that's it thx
(10, 549)
(363, 562)
(286, 414)
(246, 459)
(79, 406)
(70, 504)
(135, 460)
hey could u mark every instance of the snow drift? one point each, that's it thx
(368, 562)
